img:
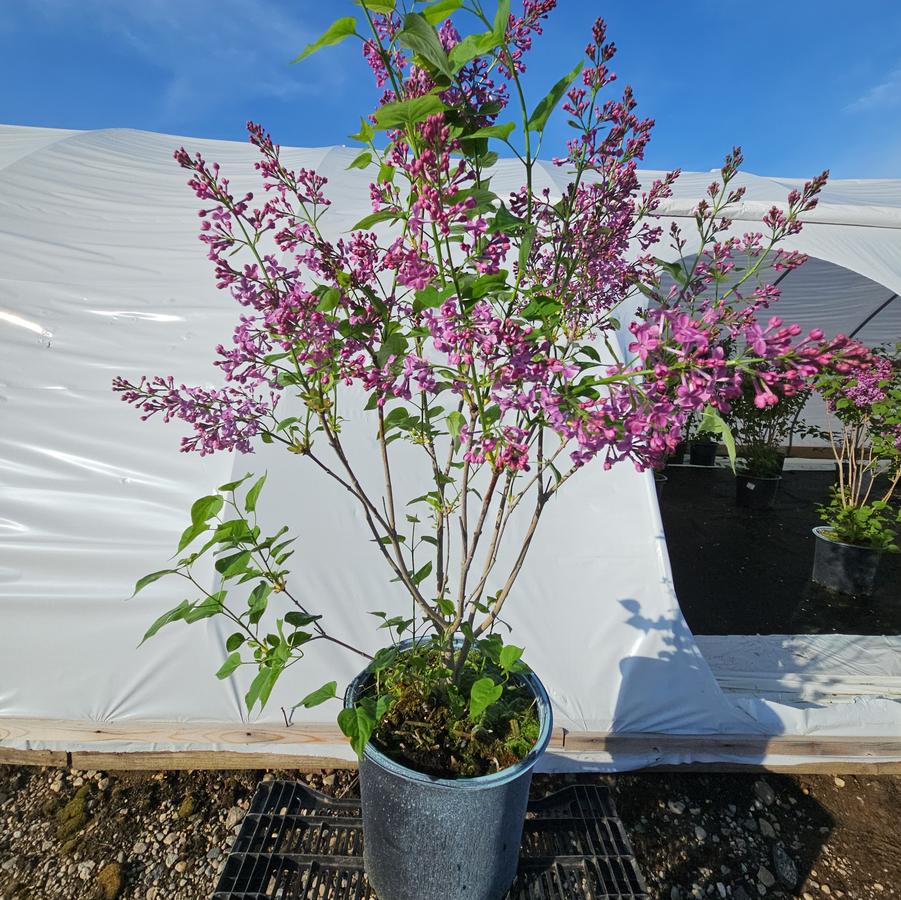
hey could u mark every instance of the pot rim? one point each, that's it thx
(479, 782)
(748, 477)
(817, 530)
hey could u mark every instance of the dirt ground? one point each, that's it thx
(164, 836)
(741, 571)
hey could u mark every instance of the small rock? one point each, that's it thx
(186, 807)
(700, 834)
(152, 893)
(170, 838)
(329, 780)
(213, 854)
(806, 896)
(766, 877)
(839, 782)
(103, 784)
(10, 864)
(825, 889)
(750, 824)
(878, 887)
(740, 893)
(235, 815)
(675, 893)
(171, 860)
(181, 865)
(786, 870)
(675, 806)
(764, 792)
(139, 848)
(721, 888)
(766, 829)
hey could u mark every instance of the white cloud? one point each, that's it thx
(209, 51)
(885, 95)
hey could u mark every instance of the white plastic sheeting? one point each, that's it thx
(102, 275)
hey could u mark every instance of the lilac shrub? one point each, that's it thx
(482, 328)
(866, 403)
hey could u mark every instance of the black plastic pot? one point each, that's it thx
(846, 568)
(702, 453)
(756, 492)
(659, 484)
(677, 457)
(439, 838)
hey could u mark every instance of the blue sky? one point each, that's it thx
(801, 84)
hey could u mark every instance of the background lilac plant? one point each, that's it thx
(866, 404)
(480, 328)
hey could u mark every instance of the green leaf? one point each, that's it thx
(509, 656)
(205, 508)
(482, 694)
(446, 606)
(713, 422)
(455, 421)
(174, 615)
(339, 30)
(373, 219)
(420, 37)
(357, 724)
(234, 484)
(435, 13)
(361, 161)
(320, 695)
(229, 566)
(231, 663)
(250, 501)
(300, 619)
(261, 686)
(382, 659)
(431, 297)
(501, 20)
(502, 131)
(191, 533)
(379, 6)
(258, 601)
(422, 574)
(548, 104)
(675, 270)
(366, 132)
(407, 112)
(234, 641)
(487, 284)
(525, 247)
(206, 609)
(149, 579)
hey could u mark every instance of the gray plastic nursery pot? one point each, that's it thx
(659, 484)
(756, 492)
(702, 453)
(439, 838)
(846, 568)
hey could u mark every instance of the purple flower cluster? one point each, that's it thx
(498, 304)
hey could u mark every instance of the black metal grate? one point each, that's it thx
(298, 844)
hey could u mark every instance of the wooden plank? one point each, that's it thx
(140, 761)
(214, 745)
(9, 756)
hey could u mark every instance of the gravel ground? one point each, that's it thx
(163, 836)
